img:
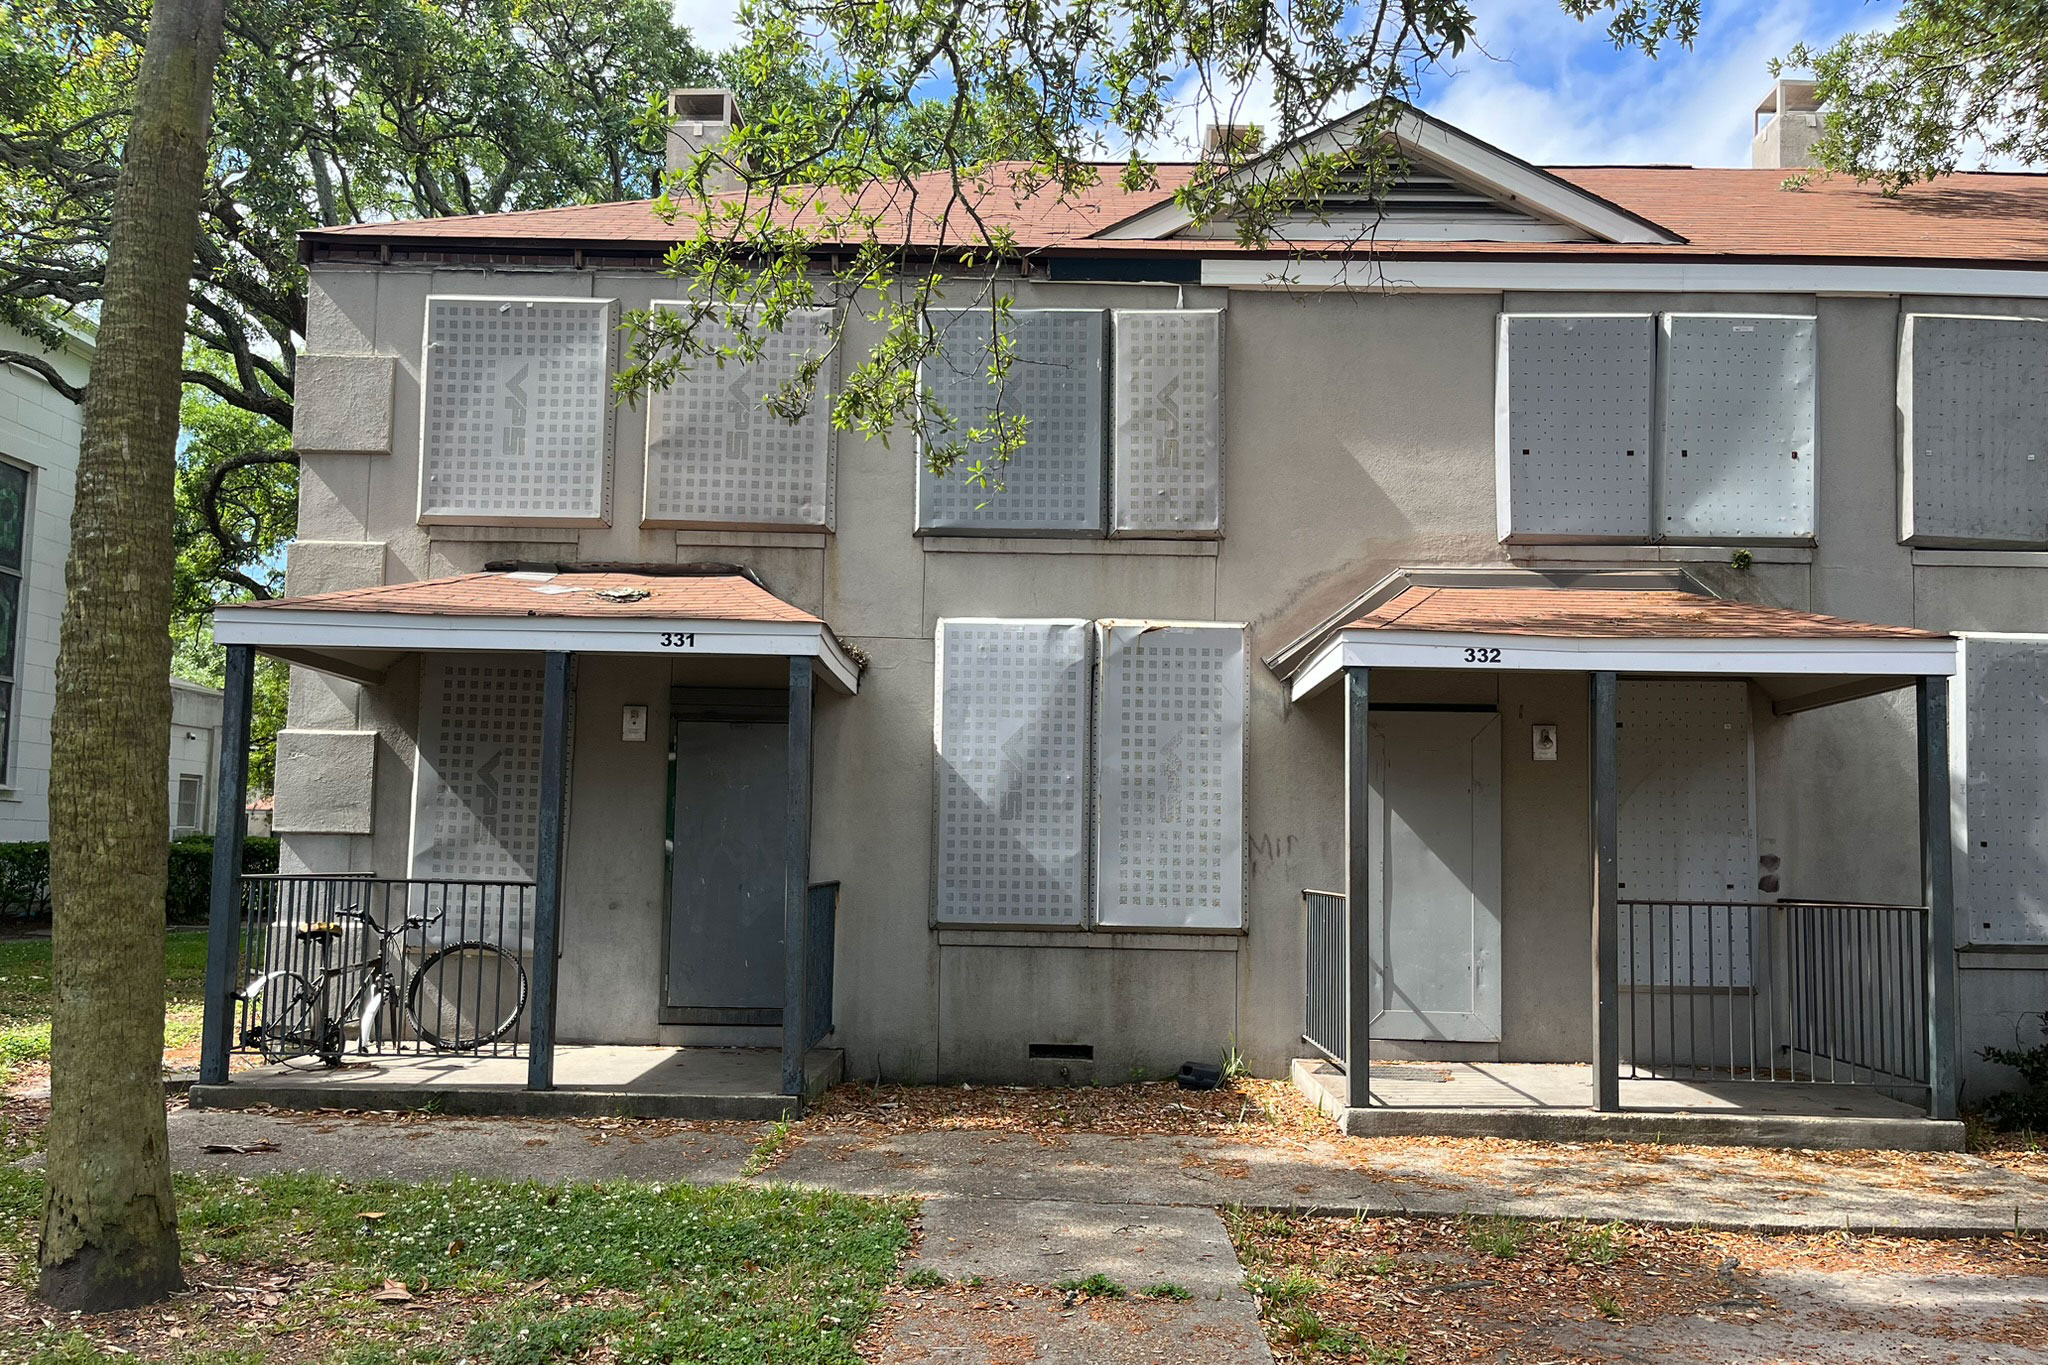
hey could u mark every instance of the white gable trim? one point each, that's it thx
(1458, 154)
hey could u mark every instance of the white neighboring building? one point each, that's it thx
(195, 756)
(39, 433)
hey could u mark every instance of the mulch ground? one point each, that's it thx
(1422, 1290)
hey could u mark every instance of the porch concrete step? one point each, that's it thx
(1552, 1103)
(591, 1082)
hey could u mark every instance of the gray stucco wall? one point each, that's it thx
(1359, 439)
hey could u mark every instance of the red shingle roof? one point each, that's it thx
(1612, 614)
(722, 597)
(1747, 214)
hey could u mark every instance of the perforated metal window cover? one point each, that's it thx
(1686, 828)
(1054, 485)
(516, 424)
(1998, 741)
(476, 788)
(1167, 465)
(1736, 445)
(1572, 413)
(1012, 742)
(1973, 398)
(1169, 781)
(716, 456)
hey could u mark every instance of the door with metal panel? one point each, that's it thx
(728, 790)
(1435, 813)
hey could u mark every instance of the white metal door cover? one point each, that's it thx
(1012, 744)
(1998, 739)
(1686, 827)
(1169, 786)
(1168, 393)
(517, 416)
(717, 456)
(1054, 484)
(1572, 412)
(1436, 878)
(1973, 397)
(1737, 443)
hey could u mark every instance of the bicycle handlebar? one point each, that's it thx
(387, 931)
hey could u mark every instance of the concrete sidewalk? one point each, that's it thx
(1923, 1195)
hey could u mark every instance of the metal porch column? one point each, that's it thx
(1937, 893)
(547, 880)
(796, 881)
(1606, 898)
(1357, 889)
(230, 828)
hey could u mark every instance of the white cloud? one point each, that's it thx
(715, 24)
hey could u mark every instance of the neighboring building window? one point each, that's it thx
(1019, 806)
(716, 454)
(1731, 397)
(13, 558)
(517, 426)
(2002, 726)
(1139, 456)
(476, 808)
(191, 799)
(1975, 430)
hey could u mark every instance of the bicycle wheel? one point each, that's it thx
(466, 996)
(291, 1018)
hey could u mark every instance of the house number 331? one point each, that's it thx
(1482, 656)
(687, 639)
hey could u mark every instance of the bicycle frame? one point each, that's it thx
(377, 987)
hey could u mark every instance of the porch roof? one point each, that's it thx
(358, 633)
(1801, 658)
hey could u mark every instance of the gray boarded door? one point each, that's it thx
(726, 834)
(1436, 876)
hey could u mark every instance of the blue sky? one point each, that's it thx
(1555, 91)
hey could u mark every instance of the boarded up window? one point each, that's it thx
(1736, 453)
(1973, 392)
(716, 454)
(1055, 380)
(517, 423)
(2003, 891)
(476, 811)
(1574, 396)
(1168, 476)
(1013, 771)
(1685, 831)
(1170, 776)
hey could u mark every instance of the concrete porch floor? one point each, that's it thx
(590, 1081)
(1553, 1103)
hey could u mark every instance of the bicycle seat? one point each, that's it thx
(321, 929)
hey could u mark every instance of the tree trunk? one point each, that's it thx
(110, 1232)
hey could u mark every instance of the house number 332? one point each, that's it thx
(1482, 656)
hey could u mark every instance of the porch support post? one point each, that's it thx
(796, 881)
(1357, 889)
(1937, 893)
(230, 826)
(547, 879)
(1606, 898)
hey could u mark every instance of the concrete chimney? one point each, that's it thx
(1787, 124)
(700, 121)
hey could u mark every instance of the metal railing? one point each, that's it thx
(333, 966)
(1786, 991)
(819, 945)
(1327, 963)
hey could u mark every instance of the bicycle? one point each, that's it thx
(296, 1021)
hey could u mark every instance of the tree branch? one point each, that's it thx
(233, 547)
(50, 374)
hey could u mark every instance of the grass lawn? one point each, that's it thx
(312, 1269)
(25, 999)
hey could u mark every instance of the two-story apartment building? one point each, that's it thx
(1555, 572)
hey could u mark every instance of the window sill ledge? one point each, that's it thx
(1031, 545)
(1183, 940)
(791, 538)
(1606, 552)
(1980, 559)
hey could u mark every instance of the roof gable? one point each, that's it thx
(1460, 189)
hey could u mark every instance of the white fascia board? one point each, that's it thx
(1459, 155)
(412, 632)
(1386, 274)
(1551, 654)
